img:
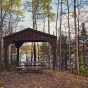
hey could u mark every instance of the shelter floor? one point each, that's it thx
(46, 80)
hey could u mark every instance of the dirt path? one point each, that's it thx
(46, 80)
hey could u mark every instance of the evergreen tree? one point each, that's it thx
(44, 52)
(83, 36)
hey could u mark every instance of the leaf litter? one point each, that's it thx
(46, 80)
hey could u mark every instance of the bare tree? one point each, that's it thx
(69, 36)
(1, 23)
(34, 25)
(10, 30)
(60, 35)
(57, 17)
(76, 36)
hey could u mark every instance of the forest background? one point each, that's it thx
(66, 19)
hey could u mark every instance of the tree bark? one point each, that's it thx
(60, 36)
(1, 22)
(76, 36)
(69, 37)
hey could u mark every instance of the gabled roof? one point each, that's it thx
(29, 35)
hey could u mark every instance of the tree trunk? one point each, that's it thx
(48, 8)
(69, 37)
(76, 36)
(1, 40)
(57, 53)
(48, 19)
(34, 25)
(57, 17)
(60, 35)
(10, 31)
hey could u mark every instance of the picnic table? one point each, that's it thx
(31, 66)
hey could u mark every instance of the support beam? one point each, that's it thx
(6, 66)
(54, 58)
(34, 52)
(17, 56)
(18, 44)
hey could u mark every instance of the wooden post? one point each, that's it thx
(6, 64)
(34, 53)
(17, 56)
(54, 58)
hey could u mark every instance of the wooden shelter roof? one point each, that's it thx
(29, 35)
